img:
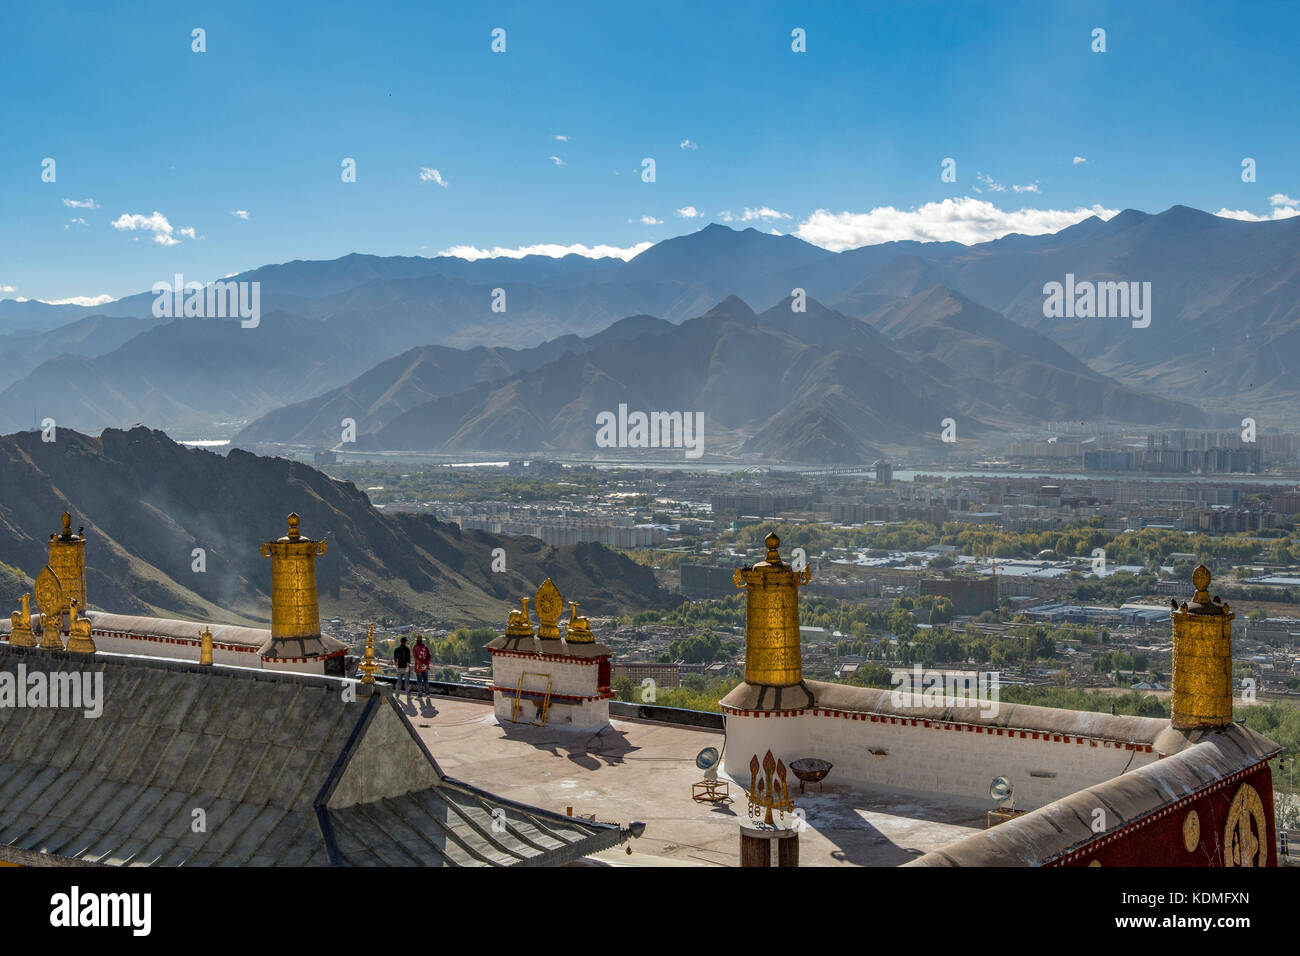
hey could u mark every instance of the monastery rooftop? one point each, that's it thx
(643, 770)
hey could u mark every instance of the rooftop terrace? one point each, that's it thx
(643, 770)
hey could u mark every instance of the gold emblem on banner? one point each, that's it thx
(1245, 836)
(1191, 831)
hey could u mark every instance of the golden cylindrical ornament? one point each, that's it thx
(772, 652)
(1202, 660)
(68, 561)
(295, 611)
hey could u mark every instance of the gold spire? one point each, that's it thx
(80, 640)
(295, 611)
(20, 633)
(578, 630)
(1202, 659)
(68, 561)
(205, 647)
(52, 602)
(772, 652)
(550, 605)
(368, 665)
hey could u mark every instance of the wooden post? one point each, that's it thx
(756, 845)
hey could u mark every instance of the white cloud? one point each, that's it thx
(1079, 160)
(561, 139)
(688, 212)
(965, 220)
(83, 204)
(650, 221)
(187, 232)
(689, 144)
(997, 187)
(7, 288)
(239, 213)
(547, 249)
(77, 221)
(432, 175)
(1284, 207)
(157, 224)
(558, 162)
(750, 215)
(90, 301)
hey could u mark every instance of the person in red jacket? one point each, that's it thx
(422, 656)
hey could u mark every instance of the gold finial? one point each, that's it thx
(20, 632)
(578, 630)
(67, 526)
(519, 624)
(772, 542)
(205, 647)
(368, 666)
(294, 534)
(1201, 581)
(80, 640)
(550, 605)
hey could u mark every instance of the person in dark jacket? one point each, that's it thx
(402, 658)
(422, 658)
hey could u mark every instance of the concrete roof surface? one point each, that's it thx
(643, 770)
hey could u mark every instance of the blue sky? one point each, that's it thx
(139, 124)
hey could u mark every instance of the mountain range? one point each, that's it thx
(146, 503)
(803, 386)
(1223, 334)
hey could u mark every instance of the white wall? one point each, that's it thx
(573, 679)
(959, 763)
(123, 644)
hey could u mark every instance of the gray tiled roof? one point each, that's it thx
(286, 771)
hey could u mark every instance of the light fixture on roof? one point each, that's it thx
(1000, 791)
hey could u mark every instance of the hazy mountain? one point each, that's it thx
(822, 385)
(92, 336)
(417, 376)
(1012, 371)
(1224, 294)
(147, 502)
(813, 386)
(1225, 301)
(188, 373)
(900, 277)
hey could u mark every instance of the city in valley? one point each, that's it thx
(723, 436)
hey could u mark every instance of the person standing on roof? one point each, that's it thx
(402, 658)
(422, 659)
